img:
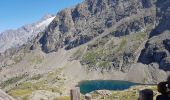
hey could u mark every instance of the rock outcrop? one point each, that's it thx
(94, 19)
(157, 48)
(73, 27)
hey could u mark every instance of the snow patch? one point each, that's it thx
(45, 22)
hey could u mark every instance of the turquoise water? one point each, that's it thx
(89, 86)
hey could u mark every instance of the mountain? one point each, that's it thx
(20, 36)
(157, 48)
(96, 40)
(120, 26)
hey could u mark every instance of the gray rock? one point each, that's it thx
(156, 75)
(76, 26)
(157, 49)
(141, 73)
(165, 64)
(167, 44)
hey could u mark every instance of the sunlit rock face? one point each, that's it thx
(16, 38)
(73, 27)
(108, 19)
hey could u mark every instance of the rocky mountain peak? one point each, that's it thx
(15, 38)
(76, 26)
(47, 16)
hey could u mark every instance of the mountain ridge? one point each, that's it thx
(15, 38)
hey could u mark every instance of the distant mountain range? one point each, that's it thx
(20, 36)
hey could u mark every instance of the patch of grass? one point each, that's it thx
(90, 57)
(41, 85)
(123, 95)
(104, 64)
(20, 92)
(25, 97)
(12, 80)
(52, 81)
(122, 45)
(98, 52)
(137, 37)
(93, 56)
(129, 94)
(24, 89)
(24, 85)
(67, 98)
(99, 43)
(56, 77)
(63, 98)
(110, 47)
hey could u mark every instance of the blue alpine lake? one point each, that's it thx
(92, 85)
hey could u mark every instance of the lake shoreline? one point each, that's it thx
(88, 86)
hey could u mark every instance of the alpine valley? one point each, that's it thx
(96, 40)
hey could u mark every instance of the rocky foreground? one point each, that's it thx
(128, 94)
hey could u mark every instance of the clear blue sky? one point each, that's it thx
(15, 13)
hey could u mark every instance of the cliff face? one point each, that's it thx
(157, 47)
(73, 27)
(127, 23)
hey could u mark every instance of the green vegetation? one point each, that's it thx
(90, 57)
(122, 45)
(25, 98)
(139, 37)
(100, 52)
(12, 80)
(107, 52)
(26, 88)
(129, 94)
(63, 98)
(20, 92)
(105, 64)
(67, 98)
(52, 81)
